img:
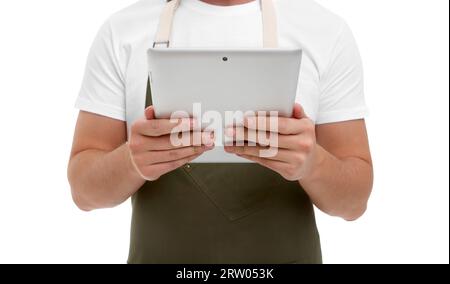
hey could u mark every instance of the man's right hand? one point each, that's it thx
(152, 152)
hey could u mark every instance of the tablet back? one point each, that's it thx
(223, 80)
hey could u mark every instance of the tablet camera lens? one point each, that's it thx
(225, 59)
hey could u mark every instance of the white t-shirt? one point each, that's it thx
(331, 78)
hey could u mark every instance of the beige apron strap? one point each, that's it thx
(270, 33)
(165, 23)
(270, 29)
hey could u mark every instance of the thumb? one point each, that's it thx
(149, 113)
(299, 112)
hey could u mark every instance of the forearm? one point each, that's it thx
(102, 179)
(339, 187)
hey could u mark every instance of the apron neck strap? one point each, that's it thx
(269, 20)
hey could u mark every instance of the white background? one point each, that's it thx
(404, 45)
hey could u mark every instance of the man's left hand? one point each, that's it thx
(295, 154)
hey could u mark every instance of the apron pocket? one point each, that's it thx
(236, 189)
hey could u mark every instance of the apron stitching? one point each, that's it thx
(203, 188)
(243, 213)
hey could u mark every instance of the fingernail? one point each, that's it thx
(228, 149)
(251, 122)
(229, 132)
(209, 140)
(185, 124)
(205, 148)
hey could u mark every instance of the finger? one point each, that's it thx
(276, 166)
(242, 135)
(164, 168)
(299, 112)
(149, 113)
(174, 141)
(282, 125)
(270, 153)
(155, 157)
(159, 127)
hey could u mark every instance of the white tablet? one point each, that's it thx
(222, 82)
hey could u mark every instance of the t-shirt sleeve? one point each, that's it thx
(342, 84)
(103, 87)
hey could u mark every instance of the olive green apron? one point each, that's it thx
(222, 213)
